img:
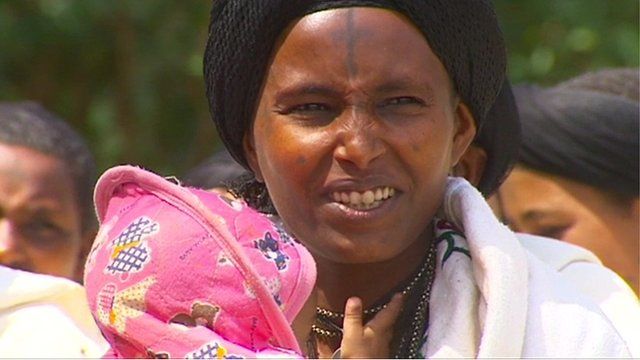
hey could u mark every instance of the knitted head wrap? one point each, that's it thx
(586, 136)
(464, 34)
(500, 137)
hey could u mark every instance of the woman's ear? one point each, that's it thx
(252, 156)
(471, 165)
(464, 132)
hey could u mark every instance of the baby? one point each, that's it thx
(178, 272)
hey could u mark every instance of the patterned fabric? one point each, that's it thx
(179, 272)
(452, 238)
(449, 241)
(130, 252)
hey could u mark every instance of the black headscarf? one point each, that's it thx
(500, 137)
(615, 81)
(464, 34)
(586, 136)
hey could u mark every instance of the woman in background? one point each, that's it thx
(577, 176)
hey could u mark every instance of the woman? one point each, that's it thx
(351, 114)
(580, 149)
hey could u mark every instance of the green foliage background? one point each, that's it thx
(128, 73)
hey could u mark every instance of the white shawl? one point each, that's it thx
(504, 301)
(44, 316)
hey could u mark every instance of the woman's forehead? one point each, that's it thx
(347, 16)
(349, 26)
(369, 44)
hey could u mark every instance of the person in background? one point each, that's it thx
(577, 176)
(47, 174)
(214, 172)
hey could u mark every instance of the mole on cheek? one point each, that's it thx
(301, 160)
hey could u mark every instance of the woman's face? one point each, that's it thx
(552, 206)
(356, 129)
(40, 223)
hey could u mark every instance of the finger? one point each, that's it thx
(352, 332)
(386, 318)
(352, 325)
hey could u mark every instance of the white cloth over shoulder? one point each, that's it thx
(496, 298)
(43, 316)
(585, 272)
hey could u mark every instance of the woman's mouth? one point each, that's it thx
(366, 200)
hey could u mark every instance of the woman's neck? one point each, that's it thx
(369, 281)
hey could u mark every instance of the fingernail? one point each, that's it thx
(353, 302)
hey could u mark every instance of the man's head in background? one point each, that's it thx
(215, 171)
(47, 173)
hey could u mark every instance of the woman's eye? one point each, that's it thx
(43, 233)
(401, 107)
(554, 232)
(311, 107)
(43, 228)
(312, 113)
(402, 100)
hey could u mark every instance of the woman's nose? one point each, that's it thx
(360, 141)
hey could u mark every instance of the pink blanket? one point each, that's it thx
(180, 272)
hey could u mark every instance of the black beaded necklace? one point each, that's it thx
(414, 318)
(411, 324)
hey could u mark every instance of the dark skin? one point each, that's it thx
(360, 339)
(544, 204)
(342, 117)
(40, 219)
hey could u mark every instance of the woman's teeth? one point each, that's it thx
(364, 200)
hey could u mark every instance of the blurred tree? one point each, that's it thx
(552, 40)
(128, 74)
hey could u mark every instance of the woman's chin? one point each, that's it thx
(354, 252)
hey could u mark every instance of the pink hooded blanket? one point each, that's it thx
(181, 272)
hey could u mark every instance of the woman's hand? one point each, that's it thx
(371, 340)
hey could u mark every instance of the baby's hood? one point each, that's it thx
(182, 272)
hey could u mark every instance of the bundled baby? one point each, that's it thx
(178, 272)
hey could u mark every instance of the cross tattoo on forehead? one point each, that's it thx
(348, 36)
(352, 37)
